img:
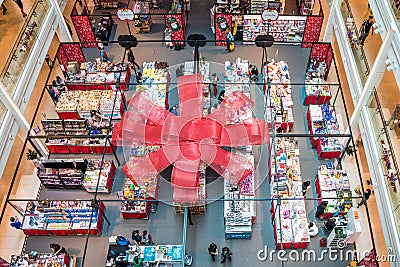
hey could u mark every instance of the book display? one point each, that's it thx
(316, 89)
(80, 104)
(289, 216)
(142, 19)
(284, 29)
(155, 81)
(93, 174)
(236, 77)
(132, 207)
(279, 100)
(322, 120)
(240, 211)
(98, 76)
(41, 259)
(333, 183)
(62, 218)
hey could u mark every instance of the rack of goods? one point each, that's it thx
(62, 218)
(316, 89)
(204, 70)
(42, 259)
(98, 75)
(108, 4)
(284, 29)
(104, 27)
(236, 76)
(142, 19)
(156, 79)
(81, 104)
(306, 7)
(322, 120)
(279, 101)
(288, 208)
(96, 171)
(258, 6)
(333, 183)
(240, 210)
(348, 229)
(71, 127)
(133, 206)
(200, 206)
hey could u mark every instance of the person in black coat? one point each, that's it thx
(365, 197)
(226, 254)
(136, 237)
(213, 251)
(56, 248)
(321, 209)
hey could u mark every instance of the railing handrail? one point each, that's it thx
(357, 34)
(392, 154)
(21, 33)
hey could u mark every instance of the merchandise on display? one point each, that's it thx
(79, 104)
(322, 120)
(156, 78)
(142, 19)
(258, 6)
(284, 29)
(279, 100)
(348, 229)
(98, 75)
(96, 171)
(290, 217)
(240, 211)
(62, 218)
(316, 88)
(333, 183)
(104, 27)
(236, 77)
(40, 259)
(306, 7)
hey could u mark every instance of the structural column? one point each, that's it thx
(12, 107)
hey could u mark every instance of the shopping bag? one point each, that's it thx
(231, 46)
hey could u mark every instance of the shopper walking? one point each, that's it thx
(215, 80)
(180, 71)
(226, 254)
(21, 7)
(56, 248)
(4, 9)
(365, 197)
(230, 46)
(213, 251)
(306, 185)
(103, 55)
(136, 237)
(14, 222)
(366, 28)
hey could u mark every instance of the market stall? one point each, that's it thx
(288, 208)
(316, 89)
(333, 185)
(62, 218)
(322, 120)
(279, 100)
(42, 259)
(348, 229)
(98, 75)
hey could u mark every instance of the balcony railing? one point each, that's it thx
(396, 8)
(15, 63)
(388, 159)
(352, 37)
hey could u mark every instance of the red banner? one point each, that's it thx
(175, 23)
(222, 23)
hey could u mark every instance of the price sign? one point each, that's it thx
(270, 14)
(125, 14)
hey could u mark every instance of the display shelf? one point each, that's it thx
(62, 218)
(322, 120)
(108, 4)
(142, 19)
(98, 75)
(240, 210)
(104, 28)
(284, 29)
(289, 216)
(348, 229)
(279, 99)
(333, 185)
(316, 89)
(80, 104)
(93, 174)
(133, 206)
(41, 259)
(155, 81)
(258, 6)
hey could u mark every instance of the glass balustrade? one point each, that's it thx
(352, 38)
(387, 155)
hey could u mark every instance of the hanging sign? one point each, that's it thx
(223, 23)
(125, 14)
(270, 14)
(174, 22)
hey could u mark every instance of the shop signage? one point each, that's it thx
(125, 14)
(270, 14)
